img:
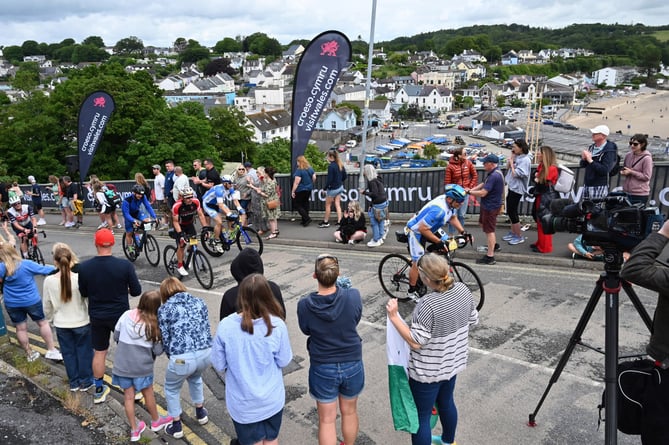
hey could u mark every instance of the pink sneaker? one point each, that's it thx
(160, 423)
(135, 435)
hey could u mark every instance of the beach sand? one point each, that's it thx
(637, 112)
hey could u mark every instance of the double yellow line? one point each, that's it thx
(189, 435)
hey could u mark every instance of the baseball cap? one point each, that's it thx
(156, 166)
(603, 129)
(31, 179)
(247, 164)
(491, 157)
(104, 238)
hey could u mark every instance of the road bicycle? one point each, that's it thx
(34, 252)
(242, 236)
(195, 261)
(394, 271)
(142, 241)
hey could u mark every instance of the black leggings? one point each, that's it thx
(512, 203)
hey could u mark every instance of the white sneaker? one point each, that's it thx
(41, 222)
(183, 272)
(119, 226)
(414, 296)
(373, 243)
(351, 242)
(219, 247)
(53, 354)
(103, 225)
(70, 224)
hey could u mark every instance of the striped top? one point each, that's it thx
(440, 324)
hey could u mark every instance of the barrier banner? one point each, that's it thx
(317, 73)
(94, 115)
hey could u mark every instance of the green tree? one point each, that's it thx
(500, 100)
(30, 48)
(227, 45)
(13, 53)
(27, 77)
(260, 43)
(275, 153)
(181, 133)
(129, 46)
(88, 53)
(220, 65)
(231, 134)
(356, 109)
(430, 151)
(95, 41)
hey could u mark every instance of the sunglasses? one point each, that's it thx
(635, 144)
(324, 257)
(241, 169)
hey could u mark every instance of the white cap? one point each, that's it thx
(603, 129)
(31, 179)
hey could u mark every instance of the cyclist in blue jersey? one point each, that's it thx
(134, 208)
(427, 226)
(214, 203)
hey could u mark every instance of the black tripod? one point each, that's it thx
(610, 282)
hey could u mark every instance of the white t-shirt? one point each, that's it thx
(159, 186)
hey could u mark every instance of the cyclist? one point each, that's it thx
(134, 209)
(23, 221)
(214, 201)
(183, 216)
(427, 226)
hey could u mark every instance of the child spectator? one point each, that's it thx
(139, 342)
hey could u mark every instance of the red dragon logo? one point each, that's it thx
(330, 48)
(99, 102)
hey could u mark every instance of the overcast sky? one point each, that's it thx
(208, 21)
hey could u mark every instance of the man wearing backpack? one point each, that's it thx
(599, 160)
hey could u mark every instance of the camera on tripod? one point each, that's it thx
(611, 223)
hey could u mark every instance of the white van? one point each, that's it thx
(549, 109)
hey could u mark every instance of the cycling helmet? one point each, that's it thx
(14, 200)
(226, 178)
(455, 192)
(138, 189)
(187, 192)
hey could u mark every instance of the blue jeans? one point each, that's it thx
(185, 367)
(462, 211)
(77, 349)
(425, 395)
(378, 227)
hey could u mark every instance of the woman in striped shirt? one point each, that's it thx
(438, 338)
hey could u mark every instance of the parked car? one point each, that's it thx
(569, 127)
(548, 122)
(557, 124)
(465, 127)
(351, 143)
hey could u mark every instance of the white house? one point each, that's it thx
(337, 119)
(378, 110)
(220, 83)
(268, 125)
(426, 97)
(613, 76)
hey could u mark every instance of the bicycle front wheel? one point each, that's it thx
(170, 261)
(152, 250)
(207, 241)
(394, 275)
(37, 256)
(465, 274)
(202, 268)
(248, 237)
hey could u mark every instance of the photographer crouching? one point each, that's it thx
(642, 269)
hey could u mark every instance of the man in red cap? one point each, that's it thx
(105, 281)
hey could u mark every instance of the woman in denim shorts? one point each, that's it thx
(330, 317)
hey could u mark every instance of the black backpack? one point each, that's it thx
(113, 198)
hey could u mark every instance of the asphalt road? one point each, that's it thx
(526, 323)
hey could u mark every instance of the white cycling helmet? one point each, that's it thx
(226, 178)
(187, 192)
(14, 200)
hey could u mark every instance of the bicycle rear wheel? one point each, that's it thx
(465, 274)
(170, 261)
(248, 237)
(394, 275)
(152, 250)
(202, 268)
(207, 241)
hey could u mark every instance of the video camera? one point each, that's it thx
(611, 222)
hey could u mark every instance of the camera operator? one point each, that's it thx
(642, 269)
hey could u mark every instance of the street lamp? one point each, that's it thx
(365, 118)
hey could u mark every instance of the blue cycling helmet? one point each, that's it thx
(455, 192)
(226, 178)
